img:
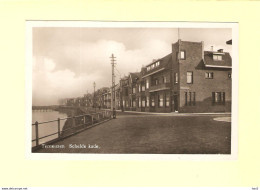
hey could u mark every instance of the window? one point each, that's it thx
(156, 81)
(143, 88)
(229, 75)
(152, 101)
(190, 98)
(176, 78)
(160, 100)
(147, 83)
(157, 64)
(147, 101)
(164, 79)
(134, 103)
(139, 102)
(189, 77)
(152, 66)
(209, 75)
(133, 90)
(139, 87)
(183, 56)
(148, 68)
(217, 57)
(143, 102)
(218, 98)
(167, 102)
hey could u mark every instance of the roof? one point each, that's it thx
(163, 64)
(135, 75)
(163, 60)
(226, 61)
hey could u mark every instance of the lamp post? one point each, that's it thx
(113, 62)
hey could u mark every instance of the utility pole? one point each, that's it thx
(113, 85)
(94, 85)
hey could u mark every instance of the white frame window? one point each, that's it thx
(147, 101)
(133, 90)
(189, 77)
(147, 84)
(209, 75)
(167, 100)
(134, 103)
(152, 101)
(143, 102)
(176, 78)
(217, 57)
(160, 100)
(182, 56)
(164, 79)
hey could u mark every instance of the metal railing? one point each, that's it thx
(76, 123)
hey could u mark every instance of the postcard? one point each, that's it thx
(131, 90)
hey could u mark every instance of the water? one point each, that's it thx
(47, 128)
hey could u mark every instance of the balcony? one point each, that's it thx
(159, 87)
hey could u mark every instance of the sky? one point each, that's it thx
(67, 61)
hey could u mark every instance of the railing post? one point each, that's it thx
(73, 122)
(84, 120)
(37, 133)
(58, 127)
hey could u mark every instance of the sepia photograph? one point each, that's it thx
(131, 88)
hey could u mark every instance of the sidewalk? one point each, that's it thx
(171, 113)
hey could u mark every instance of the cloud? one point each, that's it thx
(53, 80)
(49, 85)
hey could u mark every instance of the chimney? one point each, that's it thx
(212, 48)
(220, 50)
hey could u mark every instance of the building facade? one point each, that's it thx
(188, 79)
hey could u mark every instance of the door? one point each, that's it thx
(175, 102)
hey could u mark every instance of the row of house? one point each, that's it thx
(101, 98)
(188, 79)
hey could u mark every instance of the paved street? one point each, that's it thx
(163, 133)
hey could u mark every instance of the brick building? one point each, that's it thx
(188, 79)
(202, 78)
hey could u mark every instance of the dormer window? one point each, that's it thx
(157, 64)
(152, 67)
(217, 57)
(148, 68)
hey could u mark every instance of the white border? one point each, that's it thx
(106, 24)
